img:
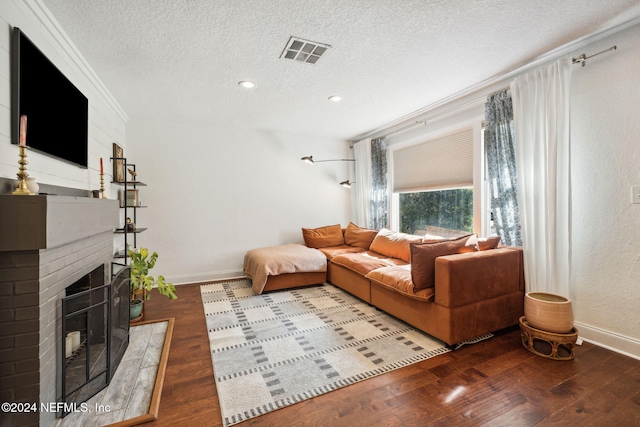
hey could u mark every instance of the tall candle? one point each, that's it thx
(75, 339)
(23, 130)
(101, 168)
(68, 346)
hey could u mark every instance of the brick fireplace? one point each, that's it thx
(46, 244)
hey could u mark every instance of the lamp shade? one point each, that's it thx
(308, 159)
(346, 184)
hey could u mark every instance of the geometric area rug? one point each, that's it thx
(280, 348)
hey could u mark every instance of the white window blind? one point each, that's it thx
(444, 162)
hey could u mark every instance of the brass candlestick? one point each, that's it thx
(22, 189)
(102, 186)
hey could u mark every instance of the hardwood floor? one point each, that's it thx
(494, 383)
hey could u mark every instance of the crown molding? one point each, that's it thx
(494, 81)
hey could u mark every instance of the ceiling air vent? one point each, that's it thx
(304, 50)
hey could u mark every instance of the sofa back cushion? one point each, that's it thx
(358, 236)
(394, 244)
(323, 237)
(423, 259)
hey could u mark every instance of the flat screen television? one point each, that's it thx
(57, 112)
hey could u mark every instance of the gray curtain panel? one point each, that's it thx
(501, 167)
(379, 187)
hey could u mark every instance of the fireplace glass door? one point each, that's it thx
(86, 335)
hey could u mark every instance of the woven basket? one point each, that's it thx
(548, 344)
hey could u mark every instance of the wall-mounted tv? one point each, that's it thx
(57, 112)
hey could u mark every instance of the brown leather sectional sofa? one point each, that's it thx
(453, 290)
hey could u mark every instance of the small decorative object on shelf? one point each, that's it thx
(22, 188)
(104, 196)
(129, 226)
(132, 198)
(32, 185)
(102, 186)
(133, 173)
(118, 163)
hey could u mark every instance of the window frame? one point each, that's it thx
(474, 117)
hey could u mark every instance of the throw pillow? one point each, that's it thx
(323, 237)
(431, 237)
(471, 245)
(423, 259)
(358, 236)
(487, 243)
(394, 244)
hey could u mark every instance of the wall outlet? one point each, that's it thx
(635, 194)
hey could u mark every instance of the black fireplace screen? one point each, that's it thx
(120, 297)
(95, 333)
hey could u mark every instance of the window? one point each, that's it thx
(433, 186)
(446, 213)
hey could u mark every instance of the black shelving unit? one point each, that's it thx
(130, 237)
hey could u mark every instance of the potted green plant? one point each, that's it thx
(142, 282)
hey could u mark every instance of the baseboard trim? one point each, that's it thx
(183, 279)
(609, 340)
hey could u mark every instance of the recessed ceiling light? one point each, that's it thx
(247, 85)
(335, 98)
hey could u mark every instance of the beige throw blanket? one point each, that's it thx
(274, 260)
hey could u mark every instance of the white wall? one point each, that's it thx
(605, 134)
(106, 119)
(214, 193)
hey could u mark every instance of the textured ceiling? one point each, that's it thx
(181, 60)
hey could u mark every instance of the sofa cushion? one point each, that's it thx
(398, 278)
(322, 237)
(423, 259)
(332, 251)
(364, 262)
(487, 243)
(479, 276)
(394, 244)
(358, 236)
(471, 245)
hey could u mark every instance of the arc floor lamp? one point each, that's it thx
(309, 160)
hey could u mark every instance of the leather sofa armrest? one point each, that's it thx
(478, 276)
